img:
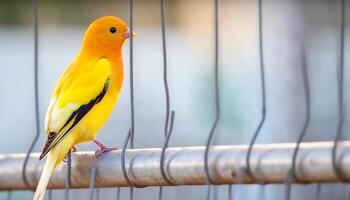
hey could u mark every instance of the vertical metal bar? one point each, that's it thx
(131, 58)
(341, 110)
(36, 91)
(166, 88)
(49, 196)
(92, 180)
(241, 173)
(167, 134)
(125, 174)
(263, 98)
(97, 193)
(292, 173)
(216, 86)
(162, 157)
(132, 103)
(165, 69)
(132, 107)
(318, 191)
(160, 193)
(229, 197)
(69, 172)
(118, 193)
(208, 192)
(131, 193)
(9, 195)
(263, 88)
(217, 97)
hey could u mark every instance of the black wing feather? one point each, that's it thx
(76, 116)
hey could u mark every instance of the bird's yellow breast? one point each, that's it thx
(88, 127)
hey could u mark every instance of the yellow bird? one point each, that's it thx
(85, 94)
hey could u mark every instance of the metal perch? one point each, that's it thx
(185, 166)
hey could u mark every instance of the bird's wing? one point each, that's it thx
(74, 96)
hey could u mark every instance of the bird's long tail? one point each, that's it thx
(45, 176)
(54, 158)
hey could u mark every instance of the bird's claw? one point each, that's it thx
(104, 150)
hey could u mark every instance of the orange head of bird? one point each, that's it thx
(105, 36)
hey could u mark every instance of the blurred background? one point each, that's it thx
(190, 47)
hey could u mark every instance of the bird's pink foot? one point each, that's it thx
(103, 149)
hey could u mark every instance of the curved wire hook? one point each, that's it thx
(291, 175)
(167, 95)
(341, 110)
(165, 146)
(217, 96)
(125, 174)
(263, 90)
(36, 93)
(165, 69)
(263, 108)
(167, 134)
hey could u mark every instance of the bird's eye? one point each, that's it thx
(112, 30)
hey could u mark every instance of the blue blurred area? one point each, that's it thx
(191, 66)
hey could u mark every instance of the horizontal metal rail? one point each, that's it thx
(185, 166)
